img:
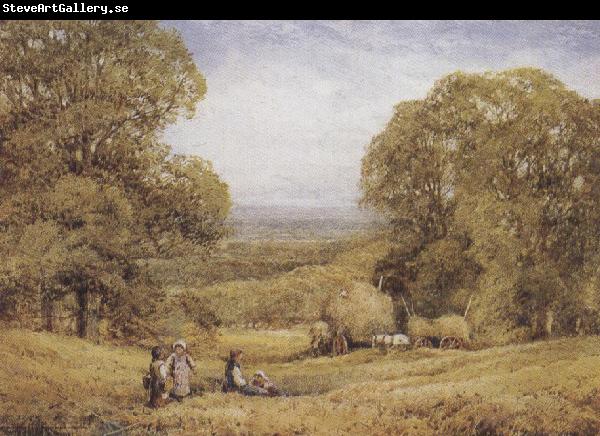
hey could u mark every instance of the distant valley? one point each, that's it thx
(288, 222)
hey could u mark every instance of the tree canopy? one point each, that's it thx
(85, 180)
(506, 163)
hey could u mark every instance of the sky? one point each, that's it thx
(291, 105)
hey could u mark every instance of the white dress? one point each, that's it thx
(180, 367)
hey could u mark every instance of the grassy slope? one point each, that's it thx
(548, 387)
(245, 260)
(297, 295)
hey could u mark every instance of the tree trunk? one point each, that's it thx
(47, 313)
(82, 312)
(549, 322)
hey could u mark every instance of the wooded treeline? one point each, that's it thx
(491, 187)
(88, 190)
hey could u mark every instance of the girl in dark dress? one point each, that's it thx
(158, 379)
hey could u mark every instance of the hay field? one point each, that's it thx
(539, 388)
(296, 296)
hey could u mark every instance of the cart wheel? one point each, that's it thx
(423, 342)
(450, 343)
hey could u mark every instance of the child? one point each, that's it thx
(179, 365)
(234, 380)
(260, 380)
(158, 378)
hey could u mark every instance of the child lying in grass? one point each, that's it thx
(260, 380)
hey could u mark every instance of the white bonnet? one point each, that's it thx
(180, 342)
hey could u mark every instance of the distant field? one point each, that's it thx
(267, 241)
(540, 388)
(300, 223)
(246, 260)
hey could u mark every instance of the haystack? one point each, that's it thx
(448, 325)
(360, 311)
(320, 338)
(319, 328)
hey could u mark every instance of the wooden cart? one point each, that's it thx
(449, 332)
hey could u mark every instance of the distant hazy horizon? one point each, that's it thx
(261, 222)
(291, 105)
(270, 209)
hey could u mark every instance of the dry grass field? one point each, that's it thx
(539, 388)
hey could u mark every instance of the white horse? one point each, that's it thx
(390, 341)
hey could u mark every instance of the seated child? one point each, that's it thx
(234, 380)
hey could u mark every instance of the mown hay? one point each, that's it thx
(502, 390)
(319, 328)
(360, 311)
(448, 325)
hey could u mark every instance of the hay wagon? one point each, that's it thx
(447, 332)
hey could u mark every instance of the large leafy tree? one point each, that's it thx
(527, 191)
(523, 171)
(408, 175)
(185, 205)
(90, 97)
(82, 108)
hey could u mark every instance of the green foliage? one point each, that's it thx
(90, 96)
(196, 307)
(185, 207)
(406, 174)
(506, 162)
(86, 187)
(444, 270)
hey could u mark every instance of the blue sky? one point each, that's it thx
(291, 105)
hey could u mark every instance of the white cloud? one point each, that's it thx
(291, 105)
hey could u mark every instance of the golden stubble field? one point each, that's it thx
(550, 387)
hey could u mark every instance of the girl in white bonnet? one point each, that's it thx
(179, 365)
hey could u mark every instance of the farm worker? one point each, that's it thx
(179, 365)
(158, 378)
(320, 338)
(318, 344)
(234, 380)
(260, 380)
(340, 345)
